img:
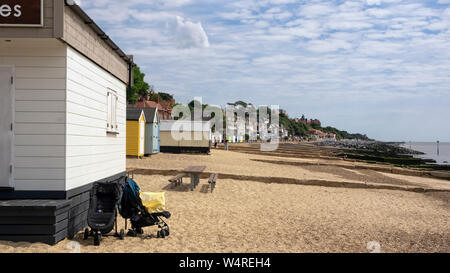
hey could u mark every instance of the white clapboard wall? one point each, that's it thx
(61, 141)
(40, 94)
(92, 153)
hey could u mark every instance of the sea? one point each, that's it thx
(430, 150)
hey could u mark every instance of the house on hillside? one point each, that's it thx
(63, 85)
(316, 134)
(331, 137)
(167, 109)
(284, 132)
(314, 122)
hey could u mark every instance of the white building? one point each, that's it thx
(63, 114)
(241, 123)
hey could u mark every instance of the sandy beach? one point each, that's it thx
(273, 203)
(324, 123)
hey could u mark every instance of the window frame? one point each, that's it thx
(112, 101)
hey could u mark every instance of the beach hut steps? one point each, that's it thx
(44, 221)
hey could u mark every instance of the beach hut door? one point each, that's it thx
(6, 127)
(142, 138)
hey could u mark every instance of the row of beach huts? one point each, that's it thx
(147, 134)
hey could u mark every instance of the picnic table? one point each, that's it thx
(194, 172)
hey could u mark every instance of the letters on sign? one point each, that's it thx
(21, 13)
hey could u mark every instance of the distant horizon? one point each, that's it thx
(421, 141)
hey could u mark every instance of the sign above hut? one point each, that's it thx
(21, 13)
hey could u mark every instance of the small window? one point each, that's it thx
(112, 102)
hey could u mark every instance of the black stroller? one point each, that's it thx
(102, 214)
(131, 207)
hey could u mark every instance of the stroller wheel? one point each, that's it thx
(161, 234)
(139, 231)
(86, 234)
(132, 233)
(167, 232)
(97, 238)
(122, 234)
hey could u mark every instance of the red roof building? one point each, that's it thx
(316, 133)
(164, 107)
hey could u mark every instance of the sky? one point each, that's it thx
(377, 67)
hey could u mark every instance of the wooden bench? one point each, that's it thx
(212, 180)
(177, 180)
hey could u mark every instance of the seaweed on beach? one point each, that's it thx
(434, 167)
(394, 160)
(378, 157)
(387, 153)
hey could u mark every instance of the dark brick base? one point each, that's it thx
(46, 220)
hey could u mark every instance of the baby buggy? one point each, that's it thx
(102, 214)
(132, 208)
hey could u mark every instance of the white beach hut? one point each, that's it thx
(63, 117)
(185, 136)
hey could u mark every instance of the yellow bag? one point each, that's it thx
(154, 201)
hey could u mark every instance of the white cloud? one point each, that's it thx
(379, 13)
(189, 34)
(329, 45)
(373, 2)
(315, 10)
(175, 3)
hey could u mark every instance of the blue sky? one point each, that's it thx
(380, 67)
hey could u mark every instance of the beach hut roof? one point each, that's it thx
(134, 113)
(150, 114)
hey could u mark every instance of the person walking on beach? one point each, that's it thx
(215, 143)
(226, 144)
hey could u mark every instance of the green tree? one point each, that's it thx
(196, 103)
(153, 95)
(165, 96)
(242, 103)
(132, 97)
(140, 86)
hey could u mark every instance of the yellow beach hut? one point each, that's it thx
(135, 132)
